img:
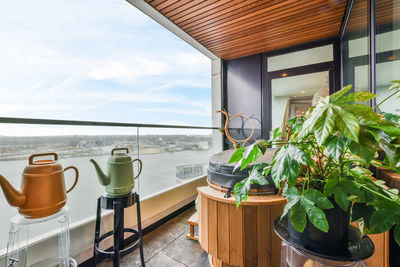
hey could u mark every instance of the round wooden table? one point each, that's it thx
(241, 236)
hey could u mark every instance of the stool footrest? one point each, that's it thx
(122, 252)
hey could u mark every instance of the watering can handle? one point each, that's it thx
(140, 167)
(41, 155)
(120, 148)
(76, 177)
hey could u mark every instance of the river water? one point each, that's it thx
(159, 173)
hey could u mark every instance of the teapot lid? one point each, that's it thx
(44, 166)
(120, 157)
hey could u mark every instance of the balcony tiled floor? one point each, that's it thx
(167, 246)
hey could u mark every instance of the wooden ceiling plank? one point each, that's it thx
(203, 8)
(273, 31)
(155, 3)
(248, 40)
(168, 12)
(278, 10)
(224, 11)
(264, 45)
(274, 22)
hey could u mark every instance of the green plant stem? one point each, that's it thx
(380, 103)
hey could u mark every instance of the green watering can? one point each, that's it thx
(119, 179)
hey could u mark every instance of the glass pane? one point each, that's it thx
(98, 60)
(293, 96)
(301, 58)
(388, 54)
(174, 156)
(75, 145)
(355, 48)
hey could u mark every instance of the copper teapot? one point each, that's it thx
(43, 190)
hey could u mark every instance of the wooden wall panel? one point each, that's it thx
(212, 227)
(223, 231)
(236, 28)
(236, 237)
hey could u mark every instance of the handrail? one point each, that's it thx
(96, 123)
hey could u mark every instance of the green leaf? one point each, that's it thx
(347, 123)
(293, 196)
(362, 211)
(390, 130)
(315, 215)
(242, 188)
(336, 97)
(324, 126)
(329, 185)
(318, 112)
(397, 234)
(336, 145)
(287, 164)
(250, 154)
(383, 220)
(365, 148)
(361, 96)
(341, 197)
(364, 111)
(237, 155)
(298, 217)
(318, 198)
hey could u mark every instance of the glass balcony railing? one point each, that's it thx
(171, 155)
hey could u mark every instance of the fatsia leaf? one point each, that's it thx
(250, 154)
(347, 123)
(242, 188)
(361, 96)
(318, 111)
(341, 197)
(336, 97)
(363, 111)
(293, 196)
(287, 164)
(390, 130)
(318, 198)
(336, 145)
(383, 220)
(324, 125)
(237, 155)
(362, 211)
(315, 215)
(298, 217)
(365, 148)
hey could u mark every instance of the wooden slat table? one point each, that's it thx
(239, 237)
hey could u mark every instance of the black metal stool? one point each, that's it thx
(118, 203)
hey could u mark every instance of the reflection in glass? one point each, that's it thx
(293, 96)
(388, 52)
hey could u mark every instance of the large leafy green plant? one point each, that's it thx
(326, 156)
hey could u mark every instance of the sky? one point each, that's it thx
(100, 60)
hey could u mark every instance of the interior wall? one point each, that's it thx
(243, 94)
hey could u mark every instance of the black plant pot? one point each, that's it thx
(333, 242)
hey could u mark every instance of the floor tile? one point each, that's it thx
(184, 216)
(133, 259)
(184, 250)
(165, 234)
(162, 260)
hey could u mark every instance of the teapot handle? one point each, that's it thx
(76, 177)
(120, 148)
(140, 167)
(41, 155)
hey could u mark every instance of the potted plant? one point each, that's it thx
(322, 168)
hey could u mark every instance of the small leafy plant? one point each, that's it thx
(325, 156)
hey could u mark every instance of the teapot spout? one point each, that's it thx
(103, 179)
(14, 197)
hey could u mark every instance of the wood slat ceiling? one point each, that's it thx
(233, 28)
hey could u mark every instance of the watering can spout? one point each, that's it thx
(103, 179)
(14, 197)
